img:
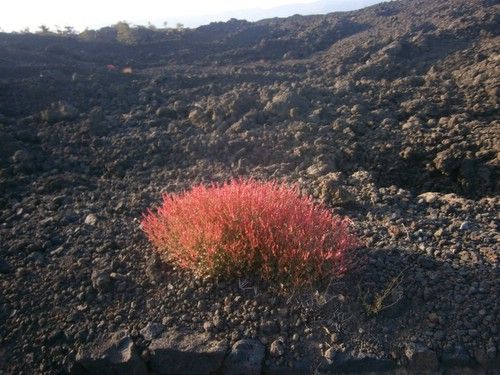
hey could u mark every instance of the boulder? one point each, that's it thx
(91, 219)
(153, 270)
(179, 353)
(242, 103)
(429, 197)
(282, 103)
(331, 190)
(23, 160)
(342, 362)
(421, 358)
(101, 280)
(457, 356)
(197, 117)
(112, 356)
(447, 161)
(166, 112)
(245, 358)
(152, 330)
(277, 349)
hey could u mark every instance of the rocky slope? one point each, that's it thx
(388, 114)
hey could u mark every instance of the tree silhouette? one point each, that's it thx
(69, 30)
(43, 29)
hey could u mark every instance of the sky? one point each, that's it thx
(19, 14)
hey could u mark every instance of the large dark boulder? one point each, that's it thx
(182, 353)
(245, 358)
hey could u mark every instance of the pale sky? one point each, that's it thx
(18, 14)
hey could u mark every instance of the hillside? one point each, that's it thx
(388, 115)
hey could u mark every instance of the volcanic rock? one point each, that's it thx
(421, 358)
(245, 358)
(152, 330)
(341, 362)
(184, 353)
(114, 355)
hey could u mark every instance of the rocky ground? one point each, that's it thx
(388, 115)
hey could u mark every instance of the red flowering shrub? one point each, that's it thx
(245, 227)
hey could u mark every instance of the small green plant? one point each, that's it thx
(380, 301)
(245, 227)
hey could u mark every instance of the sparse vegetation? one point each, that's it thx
(247, 227)
(383, 300)
(42, 29)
